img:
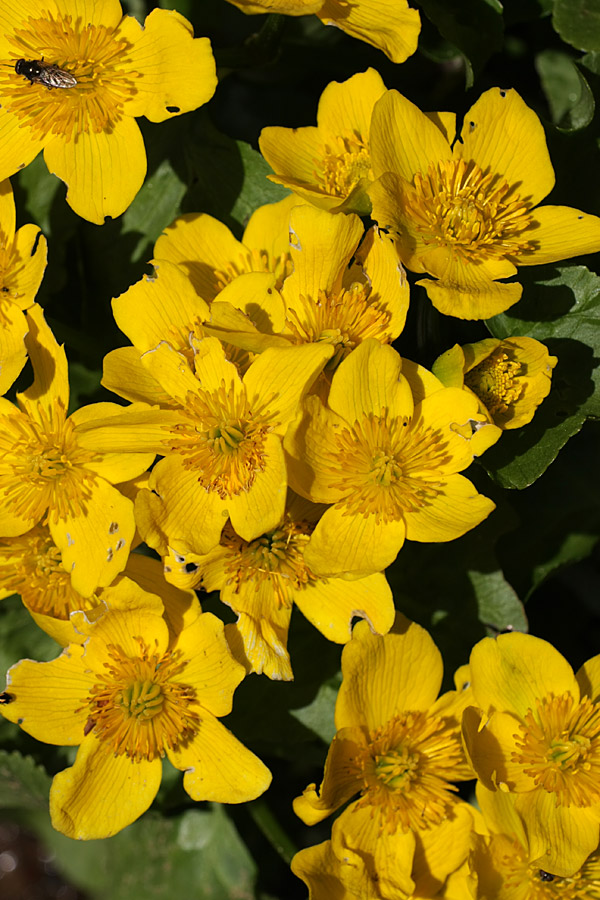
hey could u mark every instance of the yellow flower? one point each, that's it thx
(47, 476)
(510, 377)
(536, 737)
(500, 860)
(23, 256)
(466, 209)
(396, 744)
(111, 70)
(262, 579)
(134, 692)
(221, 441)
(385, 452)
(389, 25)
(401, 865)
(329, 165)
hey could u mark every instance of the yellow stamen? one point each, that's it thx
(406, 769)
(223, 439)
(343, 319)
(99, 61)
(480, 217)
(493, 380)
(342, 164)
(138, 708)
(42, 467)
(559, 747)
(387, 466)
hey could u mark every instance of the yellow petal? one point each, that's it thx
(559, 232)
(13, 354)
(340, 781)
(455, 509)
(165, 49)
(441, 850)
(331, 605)
(103, 171)
(20, 144)
(49, 698)
(260, 507)
(114, 467)
(283, 7)
(28, 262)
(48, 397)
(389, 25)
(125, 375)
(8, 218)
(588, 678)
(318, 867)
(512, 671)
(403, 139)
(107, 13)
(348, 106)
(218, 767)
(95, 544)
(506, 138)
(379, 256)
(102, 793)
(560, 838)
(369, 381)
(260, 638)
(384, 676)
(470, 298)
(268, 227)
(254, 293)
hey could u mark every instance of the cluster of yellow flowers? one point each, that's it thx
(275, 447)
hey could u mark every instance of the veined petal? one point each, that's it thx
(20, 144)
(385, 677)
(504, 136)
(340, 782)
(103, 170)
(210, 668)
(213, 369)
(291, 153)
(8, 215)
(172, 309)
(95, 544)
(403, 139)
(48, 396)
(306, 443)
(588, 678)
(368, 381)
(389, 25)
(512, 671)
(114, 467)
(318, 867)
(331, 605)
(560, 838)
(283, 7)
(260, 508)
(259, 640)
(134, 430)
(107, 12)
(282, 378)
(268, 227)
(102, 793)
(243, 777)
(560, 232)
(349, 104)
(490, 744)
(353, 543)
(321, 246)
(499, 812)
(255, 294)
(472, 299)
(13, 354)
(379, 256)
(164, 50)
(441, 850)
(27, 265)
(49, 697)
(125, 375)
(456, 508)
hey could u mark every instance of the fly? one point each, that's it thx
(39, 72)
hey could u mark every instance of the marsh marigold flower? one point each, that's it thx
(385, 453)
(500, 864)
(510, 377)
(397, 744)
(132, 693)
(47, 476)
(262, 579)
(120, 70)
(329, 165)
(536, 737)
(23, 254)
(466, 209)
(389, 25)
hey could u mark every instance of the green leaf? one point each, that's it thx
(198, 854)
(154, 207)
(569, 96)
(474, 26)
(578, 22)
(23, 784)
(318, 715)
(562, 312)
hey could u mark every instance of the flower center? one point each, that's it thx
(559, 747)
(138, 709)
(223, 439)
(41, 466)
(387, 466)
(493, 380)
(342, 165)
(275, 558)
(31, 566)
(99, 61)
(406, 768)
(343, 319)
(480, 217)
